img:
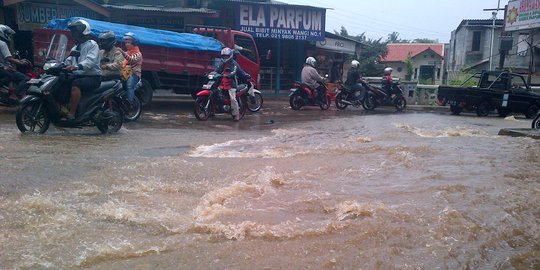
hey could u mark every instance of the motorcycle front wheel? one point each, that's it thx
(325, 103)
(536, 122)
(31, 117)
(296, 101)
(339, 102)
(369, 103)
(132, 111)
(200, 110)
(400, 103)
(112, 118)
(255, 102)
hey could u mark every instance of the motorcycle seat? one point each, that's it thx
(105, 85)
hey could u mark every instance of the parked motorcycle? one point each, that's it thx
(38, 109)
(255, 98)
(302, 95)
(391, 96)
(211, 99)
(132, 110)
(345, 96)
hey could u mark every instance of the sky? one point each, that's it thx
(432, 19)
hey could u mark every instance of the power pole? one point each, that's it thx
(493, 18)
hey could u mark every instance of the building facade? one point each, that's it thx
(427, 61)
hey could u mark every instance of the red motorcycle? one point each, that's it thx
(6, 86)
(302, 95)
(211, 99)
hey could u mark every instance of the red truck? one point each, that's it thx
(176, 69)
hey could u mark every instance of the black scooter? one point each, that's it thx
(98, 108)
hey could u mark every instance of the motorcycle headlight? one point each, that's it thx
(211, 76)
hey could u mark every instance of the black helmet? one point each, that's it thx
(107, 40)
(6, 32)
(79, 28)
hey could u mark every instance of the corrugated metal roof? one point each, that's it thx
(162, 9)
(272, 2)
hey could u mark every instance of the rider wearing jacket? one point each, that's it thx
(110, 55)
(311, 77)
(353, 78)
(7, 60)
(229, 69)
(85, 67)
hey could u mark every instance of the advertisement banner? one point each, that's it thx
(32, 15)
(337, 45)
(522, 15)
(282, 21)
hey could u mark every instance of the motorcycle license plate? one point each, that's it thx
(33, 81)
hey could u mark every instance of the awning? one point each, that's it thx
(181, 10)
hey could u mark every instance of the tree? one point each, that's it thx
(409, 67)
(425, 40)
(371, 54)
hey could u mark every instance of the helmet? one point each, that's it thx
(388, 71)
(6, 32)
(354, 64)
(80, 28)
(131, 36)
(227, 54)
(311, 61)
(107, 40)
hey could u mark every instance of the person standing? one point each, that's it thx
(132, 65)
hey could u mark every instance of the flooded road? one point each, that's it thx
(279, 190)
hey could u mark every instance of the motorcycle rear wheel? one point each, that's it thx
(369, 103)
(296, 101)
(133, 111)
(339, 102)
(31, 116)
(116, 120)
(199, 108)
(255, 103)
(400, 103)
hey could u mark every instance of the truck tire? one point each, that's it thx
(503, 112)
(536, 122)
(483, 109)
(146, 92)
(456, 110)
(532, 111)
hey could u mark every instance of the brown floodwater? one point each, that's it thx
(365, 191)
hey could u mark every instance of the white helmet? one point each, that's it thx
(6, 32)
(355, 64)
(311, 61)
(226, 54)
(388, 71)
(80, 27)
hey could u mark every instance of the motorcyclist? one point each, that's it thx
(7, 61)
(387, 79)
(86, 67)
(132, 65)
(243, 77)
(311, 78)
(111, 57)
(229, 69)
(353, 81)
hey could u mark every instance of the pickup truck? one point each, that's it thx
(502, 91)
(172, 61)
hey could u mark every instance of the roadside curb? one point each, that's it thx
(520, 132)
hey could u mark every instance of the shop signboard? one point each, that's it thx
(339, 45)
(32, 15)
(522, 15)
(282, 21)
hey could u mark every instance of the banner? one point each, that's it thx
(522, 15)
(32, 15)
(337, 45)
(282, 21)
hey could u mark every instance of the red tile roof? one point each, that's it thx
(397, 52)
